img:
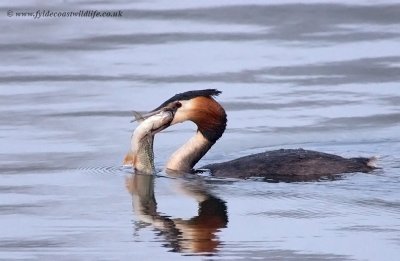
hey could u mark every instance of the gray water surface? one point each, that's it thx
(306, 75)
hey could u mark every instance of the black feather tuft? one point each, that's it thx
(190, 95)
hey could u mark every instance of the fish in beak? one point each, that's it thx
(170, 108)
(141, 155)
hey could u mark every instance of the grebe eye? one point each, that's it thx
(178, 104)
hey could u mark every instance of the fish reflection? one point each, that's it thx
(194, 235)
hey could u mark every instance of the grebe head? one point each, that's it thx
(199, 107)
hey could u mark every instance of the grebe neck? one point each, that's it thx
(210, 118)
(190, 153)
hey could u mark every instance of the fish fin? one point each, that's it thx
(138, 117)
(129, 159)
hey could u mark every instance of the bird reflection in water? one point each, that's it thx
(196, 235)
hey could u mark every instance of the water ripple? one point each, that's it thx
(106, 170)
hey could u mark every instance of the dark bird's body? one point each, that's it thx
(290, 165)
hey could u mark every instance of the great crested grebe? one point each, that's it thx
(286, 164)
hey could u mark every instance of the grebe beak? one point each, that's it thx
(171, 107)
(144, 116)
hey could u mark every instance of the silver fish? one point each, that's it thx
(143, 137)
